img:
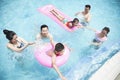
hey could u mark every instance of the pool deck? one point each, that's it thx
(110, 70)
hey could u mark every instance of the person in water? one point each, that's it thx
(70, 24)
(16, 43)
(100, 36)
(84, 16)
(58, 50)
(44, 33)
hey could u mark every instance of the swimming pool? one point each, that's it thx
(23, 18)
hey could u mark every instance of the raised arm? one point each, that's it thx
(56, 68)
(24, 41)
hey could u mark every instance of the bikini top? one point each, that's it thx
(21, 44)
(98, 39)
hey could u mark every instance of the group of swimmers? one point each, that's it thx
(18, 44)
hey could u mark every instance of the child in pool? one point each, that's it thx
(70, 24)
(58, 50)
(16, 43)
(100, 36)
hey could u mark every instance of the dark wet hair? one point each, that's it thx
(75, 19)
(88, 6)
(43, 26)
(106, 29)
(59, 47)
(9, 34)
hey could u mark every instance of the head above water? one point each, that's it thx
(59, 47)
(105, 31)
(9, 34)
(44, 30)
(88, 6)
(43, 26)
(75, 21)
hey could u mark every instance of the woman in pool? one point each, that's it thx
(84, 16)
(16, 43)
(70, 24)
(58, 50)
(100, 36)
(44, 33)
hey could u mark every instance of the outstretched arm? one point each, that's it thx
(77, 13)
(90, 28)
(56, 68)
(10, 46)
(24, 41)
(51, 39)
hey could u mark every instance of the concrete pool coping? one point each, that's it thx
(109, 70)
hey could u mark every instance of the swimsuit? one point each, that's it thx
(97, 39)
(20, 45)
(67, 24)
(84, 23)
(58, 54)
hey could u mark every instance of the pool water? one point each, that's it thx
(23, 17)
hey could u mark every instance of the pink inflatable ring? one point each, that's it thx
(44, 59)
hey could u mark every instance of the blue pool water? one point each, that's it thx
(22, 17)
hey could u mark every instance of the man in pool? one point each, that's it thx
(84, 16)
(16, 43)
(44, 33)
(69, 24)
(58, 50)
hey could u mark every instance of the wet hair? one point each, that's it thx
(88, 6)
(9, 34)
(43, 26)
(75, 19)
(106, 29)
(59, 47)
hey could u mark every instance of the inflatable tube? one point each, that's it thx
(44, 59)
(46, 11)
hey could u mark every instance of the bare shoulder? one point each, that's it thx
(89, 14)
(38, 36)
(50, 53)
(9, 45)
(49, 35)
